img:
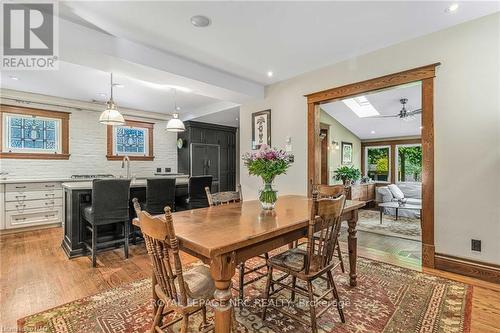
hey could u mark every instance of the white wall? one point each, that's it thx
(337, 132)
(87, 144)
(467, 127)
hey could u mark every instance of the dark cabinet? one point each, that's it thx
(209, 149)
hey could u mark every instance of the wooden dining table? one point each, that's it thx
(224, 236)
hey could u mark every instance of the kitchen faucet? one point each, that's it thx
(126, 159)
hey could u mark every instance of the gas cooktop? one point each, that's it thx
(92, 176)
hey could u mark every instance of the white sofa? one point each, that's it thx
(412, 192)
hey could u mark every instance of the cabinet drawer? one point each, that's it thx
(28, 187)
(32, 195)
(32, 217)
(22, 206)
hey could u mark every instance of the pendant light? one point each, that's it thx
(175, 124)
(111, 116)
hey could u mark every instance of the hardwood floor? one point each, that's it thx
(36, 275)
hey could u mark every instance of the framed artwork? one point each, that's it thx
(346, 152)
(261, 129)
(134, 139)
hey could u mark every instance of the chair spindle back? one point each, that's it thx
(137, 207)
(163, 248)
(324, 227)
(223, 198)
(329, 191)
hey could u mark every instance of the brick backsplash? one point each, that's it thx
(88, 153)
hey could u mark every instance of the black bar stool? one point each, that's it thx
(160, 192)
(110, 205)
(197, 195)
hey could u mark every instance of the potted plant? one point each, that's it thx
(267, 163)
(347, 174)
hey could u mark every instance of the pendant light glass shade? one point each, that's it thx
(111, 116)
(175, 124)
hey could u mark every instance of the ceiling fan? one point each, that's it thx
(403, 113)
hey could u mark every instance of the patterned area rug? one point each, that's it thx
(387, 299)
(404, 227)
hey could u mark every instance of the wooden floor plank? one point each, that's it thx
(36, 275)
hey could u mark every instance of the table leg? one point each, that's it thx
(222, 269)
(381, 212)
(352, 244)
(397, 213)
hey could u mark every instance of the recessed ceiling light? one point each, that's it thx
(372, 132)
(177, 108)
(270, 74)
(15, 78)
(200, 21)
(361, 106)
(452, 8)
(102, 94)
(118, 85)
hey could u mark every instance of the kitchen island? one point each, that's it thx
(79, 194)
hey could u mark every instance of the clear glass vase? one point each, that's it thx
(268, 196)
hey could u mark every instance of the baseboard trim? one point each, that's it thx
(479, 270)
(31, 228)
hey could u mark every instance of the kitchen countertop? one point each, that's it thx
(87, 185)
(68, 179)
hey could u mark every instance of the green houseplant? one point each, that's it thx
(347, 174)
(267, 163)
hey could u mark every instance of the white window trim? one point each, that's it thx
(390, 162)
(146, 141)
(6, 135)
(397, 160)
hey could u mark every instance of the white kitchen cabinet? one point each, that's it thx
(31, 204)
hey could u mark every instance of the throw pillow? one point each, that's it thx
(385, 193)
(396, 191)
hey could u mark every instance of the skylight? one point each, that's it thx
(361, 106)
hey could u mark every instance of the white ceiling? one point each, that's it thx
(86, 84)
(250, 38)
(227, 117)
(386, 102)
(226, 63)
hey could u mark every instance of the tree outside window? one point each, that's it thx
(378, 166)
(409, 163)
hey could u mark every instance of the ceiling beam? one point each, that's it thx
(92, 48)
(209, 109)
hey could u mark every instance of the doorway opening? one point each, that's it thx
(393, 159)
(376, 141)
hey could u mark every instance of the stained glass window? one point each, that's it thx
(27, 133)
(131, 140)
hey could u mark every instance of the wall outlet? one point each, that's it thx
(476, 245)
(168, 169)
(158, 170)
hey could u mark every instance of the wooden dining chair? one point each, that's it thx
(224, 198)
(312, 263)
(180, 293)
(331, 191)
